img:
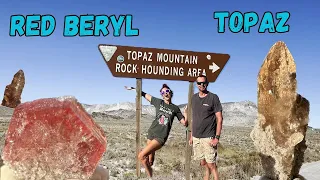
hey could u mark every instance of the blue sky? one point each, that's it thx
(56, 65)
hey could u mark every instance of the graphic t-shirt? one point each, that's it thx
(165, 114)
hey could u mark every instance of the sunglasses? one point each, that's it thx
(166, 91)
(202, 83)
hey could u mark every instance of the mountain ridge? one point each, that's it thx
(242, 113)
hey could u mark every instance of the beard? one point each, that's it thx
(202, 89)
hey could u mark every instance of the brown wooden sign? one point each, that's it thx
(164, 64)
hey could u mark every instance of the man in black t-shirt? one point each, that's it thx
(206, 127)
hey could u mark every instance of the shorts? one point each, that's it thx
(152, 136)
(203, 150)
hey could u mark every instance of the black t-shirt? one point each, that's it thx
(165, 114)
(204, 122)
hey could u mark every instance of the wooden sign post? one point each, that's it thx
(138, 120)
(151, 63)
(188, 147)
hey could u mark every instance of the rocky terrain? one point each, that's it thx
(238, 158)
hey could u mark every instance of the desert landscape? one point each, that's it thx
(270, 139)
(237, 159)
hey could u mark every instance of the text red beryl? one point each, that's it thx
(53, 137)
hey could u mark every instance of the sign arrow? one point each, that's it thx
(164, 64)
(214, 67)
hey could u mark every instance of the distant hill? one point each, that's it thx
(242, 113)
(238, 114)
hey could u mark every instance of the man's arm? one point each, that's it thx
(218, 112)
(185, 119)
(219, 122)
(216, 138)
(185, 114)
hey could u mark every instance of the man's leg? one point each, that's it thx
(198, 154)
(204, 164)
(210, 154)
(144, 154)
(214, 170)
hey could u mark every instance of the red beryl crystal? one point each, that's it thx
(53, 138)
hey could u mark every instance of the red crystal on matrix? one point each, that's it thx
(53, 138)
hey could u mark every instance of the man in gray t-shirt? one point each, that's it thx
(206, 127)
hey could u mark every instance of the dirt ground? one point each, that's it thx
(237, 157)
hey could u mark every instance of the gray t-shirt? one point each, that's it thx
(204, 122)
(165, 114)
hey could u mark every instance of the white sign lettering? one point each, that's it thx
(138, 55)
(177, 58)
(162, 70)
(195, 72)
(126, 68)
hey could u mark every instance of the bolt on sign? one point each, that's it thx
(164, 64)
